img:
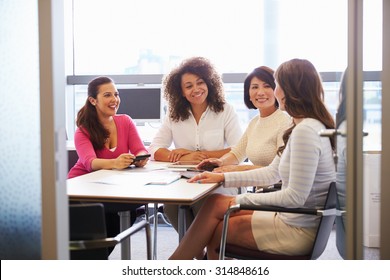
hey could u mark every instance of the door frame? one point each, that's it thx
(385, 158)
(354, 108)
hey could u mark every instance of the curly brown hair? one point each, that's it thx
(179, 107)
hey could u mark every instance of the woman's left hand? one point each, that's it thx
(141, 163)
(194, 156)
(176, 154)
(207, 177)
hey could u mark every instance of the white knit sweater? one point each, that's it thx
(262, 138)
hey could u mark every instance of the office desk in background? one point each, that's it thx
(128, 186)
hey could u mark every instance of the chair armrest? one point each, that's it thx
(272, 188)
(279, 209)
(107, 242)
(131, 230)
(91, 244)
(307, 211)
(267, 189)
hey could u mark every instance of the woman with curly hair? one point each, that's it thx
(199, 122)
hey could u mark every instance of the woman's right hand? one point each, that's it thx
(207, 177)
(226, 168)
(204, 164)
(123, 161)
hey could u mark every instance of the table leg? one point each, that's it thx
(182, 226)
(155, 222)
(124, 218)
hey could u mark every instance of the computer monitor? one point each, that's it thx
(142, 104)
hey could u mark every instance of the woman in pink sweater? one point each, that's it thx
(105, 140)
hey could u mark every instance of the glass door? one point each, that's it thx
(358, 152)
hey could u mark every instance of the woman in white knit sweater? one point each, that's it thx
(304, 164)
(264, 134)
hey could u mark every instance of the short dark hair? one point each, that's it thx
(263, 73)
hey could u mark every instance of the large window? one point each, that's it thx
(149, 36)
(122, 37)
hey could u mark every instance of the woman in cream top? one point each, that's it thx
(263, 136)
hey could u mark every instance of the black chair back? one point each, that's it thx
(87, 222)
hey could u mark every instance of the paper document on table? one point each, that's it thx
(163, 178)
(124, 179)
(151, 178)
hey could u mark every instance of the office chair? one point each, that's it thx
(327, 213)
(88, 237)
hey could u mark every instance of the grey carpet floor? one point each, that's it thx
(167, 241)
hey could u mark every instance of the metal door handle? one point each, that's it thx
(334, 132)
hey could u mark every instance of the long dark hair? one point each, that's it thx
(179, 107)
(263, 73)
(304, 94)
(87, 119)
(342, 109)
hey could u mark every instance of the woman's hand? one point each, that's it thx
(141, 163)
(123, 161)
(209, 164)
(234, 168)
(207, 177)
(176, 154)
(227, 168)
(194, 156)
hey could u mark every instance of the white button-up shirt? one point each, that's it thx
(215, 131)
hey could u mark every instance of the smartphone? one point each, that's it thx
(141, 157)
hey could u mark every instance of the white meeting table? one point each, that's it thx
(130, 186)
